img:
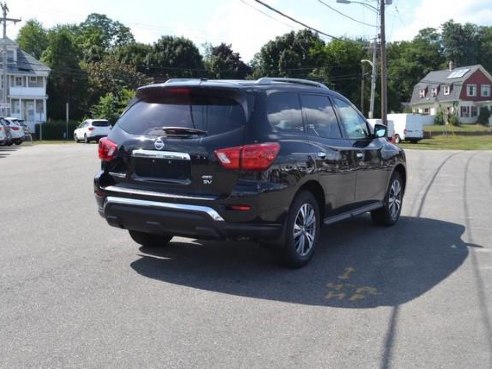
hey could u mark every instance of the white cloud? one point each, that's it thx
(433, 13)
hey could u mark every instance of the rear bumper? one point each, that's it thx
(178, 219)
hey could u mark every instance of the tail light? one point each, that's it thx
(107, 149)
(14, 128)
(256, 157)
(90, 128)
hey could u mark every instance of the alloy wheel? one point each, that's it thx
(305, 229)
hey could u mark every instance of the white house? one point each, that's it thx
(26, 83)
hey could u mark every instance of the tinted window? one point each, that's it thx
(354, 124)
(204, 110)
(284, 112)
(100, 123)
(320, 116)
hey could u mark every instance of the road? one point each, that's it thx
(76, 293)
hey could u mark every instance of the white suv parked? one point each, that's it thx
(92, 130)
(16, 130)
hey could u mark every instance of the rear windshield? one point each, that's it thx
(100, 123)
(212, 111)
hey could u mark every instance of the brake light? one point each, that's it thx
(14, 128)
(255, 157)
(107, 149)
(90, 128)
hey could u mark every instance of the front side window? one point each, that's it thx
(355, 125)
(320, 116)
(284, 112)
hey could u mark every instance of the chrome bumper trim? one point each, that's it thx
(164, 205)
(152, 154)
(130, 191)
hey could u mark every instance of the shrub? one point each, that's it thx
(55, 130)
(439, 118)
(454, 120)
(483, 117)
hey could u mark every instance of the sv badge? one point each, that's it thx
(207, 180)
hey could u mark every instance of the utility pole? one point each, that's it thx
(384, 77)
(362, 86)
(5, 84)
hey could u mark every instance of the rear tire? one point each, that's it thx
(301, 233)
(389, 214)
(149, 239)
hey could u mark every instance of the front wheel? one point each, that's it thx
(149, 239)
(390, 212)
(302, 230)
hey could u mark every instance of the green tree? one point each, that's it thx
(98, 34)
(222, 62)
(33, 38)
(461, 43)
(110, 106)
(290, 55)
(67, 82)
(112, 76)
(175, 57)
(136, 54)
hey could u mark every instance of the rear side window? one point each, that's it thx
(320, 116)
(212, 111)
(284, 112)
(100, 123)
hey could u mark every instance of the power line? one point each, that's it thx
(295, 20)
(267, 15)
(347, 16)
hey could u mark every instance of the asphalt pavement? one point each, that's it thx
(76, 293)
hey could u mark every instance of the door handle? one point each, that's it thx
(321, 155)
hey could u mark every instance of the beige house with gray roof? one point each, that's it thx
(26, 85)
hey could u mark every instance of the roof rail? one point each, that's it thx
(299, 81)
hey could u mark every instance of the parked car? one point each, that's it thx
(4, 127)
(16, 130)
(3, 135)
(25, 128)
(92, 130)
(269, 160)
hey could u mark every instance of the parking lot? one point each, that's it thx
(76, 293)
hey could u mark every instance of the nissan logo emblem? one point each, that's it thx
(159, 144)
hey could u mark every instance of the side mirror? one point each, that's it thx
(380, 130)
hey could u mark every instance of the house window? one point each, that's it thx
(18, 81)
(465, 111)
(33, 79)
(447, 90)
(434, 91)
(471, 90)
(422, 93)
(485, 91)
(473, 111)
(426, 111)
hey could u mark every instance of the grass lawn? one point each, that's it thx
(463, 128)
(452, 142)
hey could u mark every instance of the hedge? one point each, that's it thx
(55, 130)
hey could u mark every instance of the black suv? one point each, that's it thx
(269, 160)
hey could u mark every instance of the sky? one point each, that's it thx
(248, 25)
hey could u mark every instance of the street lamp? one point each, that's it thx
(384, 77)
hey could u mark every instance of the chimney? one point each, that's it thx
(450, 65)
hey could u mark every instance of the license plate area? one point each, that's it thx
(162, 166)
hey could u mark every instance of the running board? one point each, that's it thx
(353, 213)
